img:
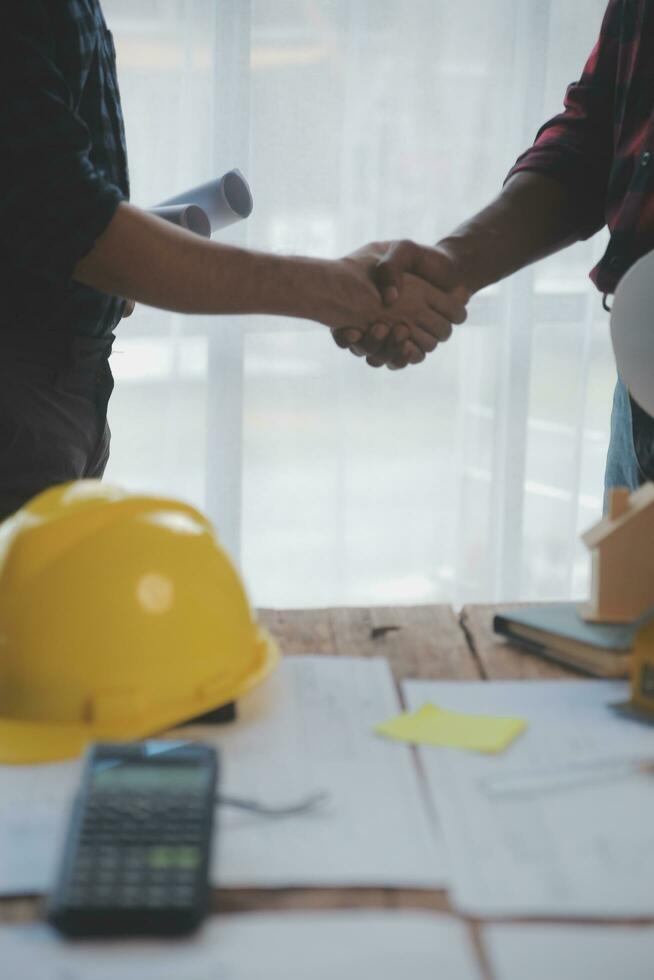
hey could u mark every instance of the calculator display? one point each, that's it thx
(141, 778)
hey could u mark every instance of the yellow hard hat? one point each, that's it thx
(120, 616)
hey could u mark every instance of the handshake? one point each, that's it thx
(393, 302)
(390, 302)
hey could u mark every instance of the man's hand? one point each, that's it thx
(128, 308)
(394, 267)
(153, 262)
(348, 296)
(434, 264)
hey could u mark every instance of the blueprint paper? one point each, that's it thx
(225, 201)
(582, 847)
(310, 730)
(188, 216)
(307, 729)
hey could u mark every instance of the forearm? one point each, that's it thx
(146, 259)
(531, 218)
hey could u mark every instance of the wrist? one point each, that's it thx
(314, 289)
(462, 254)
(334, 292)
(287, 285)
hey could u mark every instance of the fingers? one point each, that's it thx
(413, 353)
(376, 338)
(408, 346)
(408, 353)
(346, 336)
(434, 326)
(450, 307)
(426, 340)
(453, 308)
(395, 347)
(360, 343)
(430, 310)
(399, 351)
(400, 358)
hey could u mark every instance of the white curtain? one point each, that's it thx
(467, 478)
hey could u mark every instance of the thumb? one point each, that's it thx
(389, 282)
(388, 273)
(460, 295)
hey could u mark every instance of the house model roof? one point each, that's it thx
(639, 501)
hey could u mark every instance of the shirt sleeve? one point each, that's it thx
(53, 202)
(575, 147)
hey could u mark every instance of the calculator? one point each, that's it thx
(138, 848)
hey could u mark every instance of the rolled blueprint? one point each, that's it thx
(632, 331)
(188, 216)
(224, 201)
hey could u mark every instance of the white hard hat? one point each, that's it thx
(632, 331)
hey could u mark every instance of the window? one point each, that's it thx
(467, 478)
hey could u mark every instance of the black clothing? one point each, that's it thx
(63, 173)
(63, 163)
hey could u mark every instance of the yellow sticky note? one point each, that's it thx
(436, 726)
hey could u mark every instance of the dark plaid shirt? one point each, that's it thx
(602, 145)
(63, 164)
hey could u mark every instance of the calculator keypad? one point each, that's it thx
(137, 851)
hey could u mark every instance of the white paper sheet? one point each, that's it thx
(310, 729)
(307, 729)
(290, 946)
(570, 952)
(224, 201)
(568, 850)
(34, 804)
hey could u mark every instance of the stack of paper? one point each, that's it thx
(307, 729)
(561, 823)
(291, 946)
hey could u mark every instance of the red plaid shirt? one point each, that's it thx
(602, 145)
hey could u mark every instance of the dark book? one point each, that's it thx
(557, 632)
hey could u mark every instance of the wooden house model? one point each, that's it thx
(622, 550)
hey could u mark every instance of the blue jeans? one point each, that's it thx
(630, 459)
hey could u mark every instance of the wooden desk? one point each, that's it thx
(420, 641)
